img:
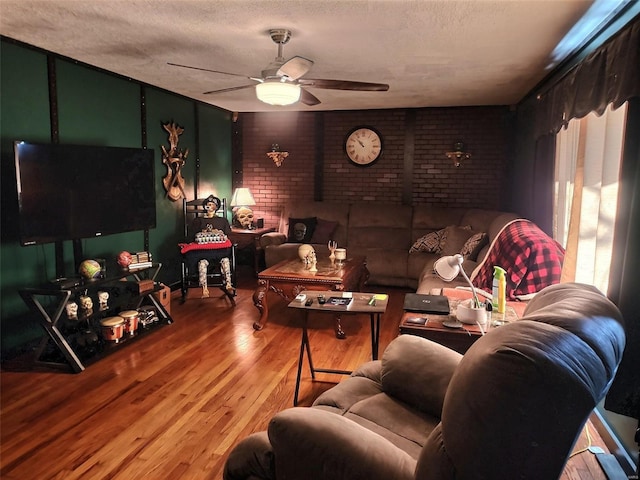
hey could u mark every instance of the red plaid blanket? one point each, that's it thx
(531, 258)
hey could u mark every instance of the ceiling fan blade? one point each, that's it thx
(230, 89)
(295, 67)
(308, 98)
(214, 71)
(344, 85)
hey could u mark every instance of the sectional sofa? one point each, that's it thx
(400, 242)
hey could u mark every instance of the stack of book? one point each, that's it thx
(140, 260)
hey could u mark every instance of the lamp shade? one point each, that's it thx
(278, 93)
(448, 268)
(242, 197)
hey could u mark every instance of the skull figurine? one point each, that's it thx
(244, 217)
(103, 299)
(86, 305)
(72, 310)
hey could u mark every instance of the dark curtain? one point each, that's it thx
(624, 395)
(611, 74)
(543, 181)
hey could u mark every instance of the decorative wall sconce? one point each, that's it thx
(277, 155)
(458, 154)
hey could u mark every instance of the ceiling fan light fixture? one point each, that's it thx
(278, 93)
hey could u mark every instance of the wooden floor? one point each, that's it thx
(171, 405)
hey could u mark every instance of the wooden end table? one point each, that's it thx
(458, 339)
(250, 240)
(290, 277)
(361, 304)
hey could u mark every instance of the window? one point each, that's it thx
(588, 156)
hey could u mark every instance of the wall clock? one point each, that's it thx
(363, 146)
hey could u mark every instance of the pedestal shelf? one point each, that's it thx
(78, 342)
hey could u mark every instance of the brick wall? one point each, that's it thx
(428, 178)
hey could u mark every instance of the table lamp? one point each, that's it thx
(241, 200)
(448, 268)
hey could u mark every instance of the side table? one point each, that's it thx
(373, 304)
(458, 339)
(249, 240)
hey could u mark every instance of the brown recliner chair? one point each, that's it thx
(511, 408)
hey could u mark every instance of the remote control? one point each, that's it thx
(309, 302)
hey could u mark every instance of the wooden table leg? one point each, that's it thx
(339, 332)
(261, 303)
(375, 335)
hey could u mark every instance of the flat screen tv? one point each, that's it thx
(71, 192)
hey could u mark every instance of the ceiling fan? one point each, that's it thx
(281, 82)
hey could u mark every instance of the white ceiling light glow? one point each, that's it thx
(278, 93)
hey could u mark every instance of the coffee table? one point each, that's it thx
(373, 304)
(290, 277)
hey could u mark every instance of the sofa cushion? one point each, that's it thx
(406, 427)
(324, 231)
(454, 238)
(429, 243)
(333, 211)
(301, 229)
(404, 376)
(427, 218)
(473, 245)
(480, 219)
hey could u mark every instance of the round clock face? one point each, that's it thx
(363, 146)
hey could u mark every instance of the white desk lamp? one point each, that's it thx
(448, 268)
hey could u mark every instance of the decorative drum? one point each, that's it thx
(131, 319)
(112, 328)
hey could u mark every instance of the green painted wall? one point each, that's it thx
(95, 108)
(215, 152)
(24, 115)
(163, 108)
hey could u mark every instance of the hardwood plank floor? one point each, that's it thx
(171, 405)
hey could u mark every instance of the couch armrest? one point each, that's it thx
(314, 444)
(272, 238)
(418, 371)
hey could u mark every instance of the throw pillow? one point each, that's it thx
(454, 238)
(430, 243)
(473, 245)
(324, 231)
(301, 229)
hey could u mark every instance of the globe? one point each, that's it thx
(89, 269)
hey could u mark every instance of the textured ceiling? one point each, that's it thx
(431, 53)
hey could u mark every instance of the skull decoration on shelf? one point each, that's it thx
(72, 310)
(103, 300)
(86, 305)
(244, 217)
